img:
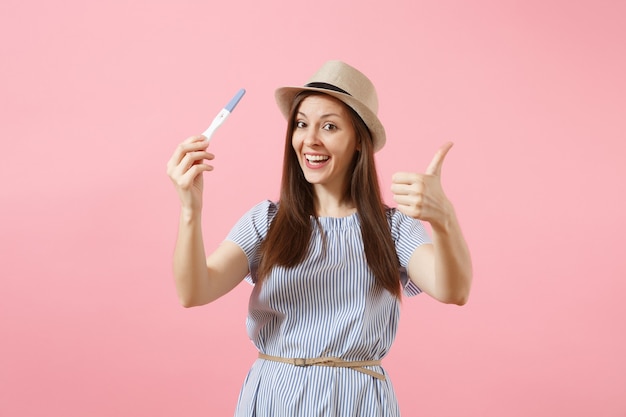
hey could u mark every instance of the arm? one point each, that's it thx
(199, 280)
(443, 270)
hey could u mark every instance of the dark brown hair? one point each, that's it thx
(296, 207)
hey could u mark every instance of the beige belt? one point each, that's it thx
(358, 366)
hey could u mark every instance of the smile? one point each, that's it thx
(316, 159)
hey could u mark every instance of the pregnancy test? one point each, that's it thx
(223, 114)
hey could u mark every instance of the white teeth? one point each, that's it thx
(317, 158)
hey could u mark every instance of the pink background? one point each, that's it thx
(95, 96)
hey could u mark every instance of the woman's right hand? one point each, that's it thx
(185, 169)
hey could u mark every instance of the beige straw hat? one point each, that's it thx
(347, 84)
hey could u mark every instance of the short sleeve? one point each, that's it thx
(250, 230)
(407, 234)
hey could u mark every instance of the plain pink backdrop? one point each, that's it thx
(94, 96)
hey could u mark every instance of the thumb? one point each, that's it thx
(435, 165)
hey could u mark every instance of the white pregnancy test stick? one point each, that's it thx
(223, 114)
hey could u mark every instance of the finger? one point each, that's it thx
(197, 169)
(191, 144)
(196, 138)
(193, 158)
(404, 178)
(435, 165)
(399, 189)
(408, 200)
(413, 189)
(409, 210)
(187, 179)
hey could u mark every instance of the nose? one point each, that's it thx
(311, 137)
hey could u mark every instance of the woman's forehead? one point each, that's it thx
(321, 104)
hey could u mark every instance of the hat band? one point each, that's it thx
(326, 86)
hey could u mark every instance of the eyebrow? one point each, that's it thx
(323, 116)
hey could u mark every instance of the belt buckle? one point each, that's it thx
(300, 362)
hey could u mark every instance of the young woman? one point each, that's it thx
(329, 260)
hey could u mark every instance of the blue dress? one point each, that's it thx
(326, 306)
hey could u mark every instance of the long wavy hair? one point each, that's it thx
(296, 208)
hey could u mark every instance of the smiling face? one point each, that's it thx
(325, 143)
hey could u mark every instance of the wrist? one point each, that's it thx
(446, 222)
(190, 215)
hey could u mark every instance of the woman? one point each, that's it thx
(329, 260)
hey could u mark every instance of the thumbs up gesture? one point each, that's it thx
(421, 195)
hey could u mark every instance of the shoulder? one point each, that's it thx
(398, 220)
(261, 209)
(255, 222)
(261, 214)
(266, 208)
(402, 225)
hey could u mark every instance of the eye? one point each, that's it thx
(329, 126)
(300, 124)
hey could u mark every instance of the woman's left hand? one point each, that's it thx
(421, 196)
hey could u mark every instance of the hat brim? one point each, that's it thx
(285, 96)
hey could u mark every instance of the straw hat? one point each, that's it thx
(347, 84)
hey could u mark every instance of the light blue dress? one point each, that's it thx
(326, 306)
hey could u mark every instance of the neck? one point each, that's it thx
(332, 204)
